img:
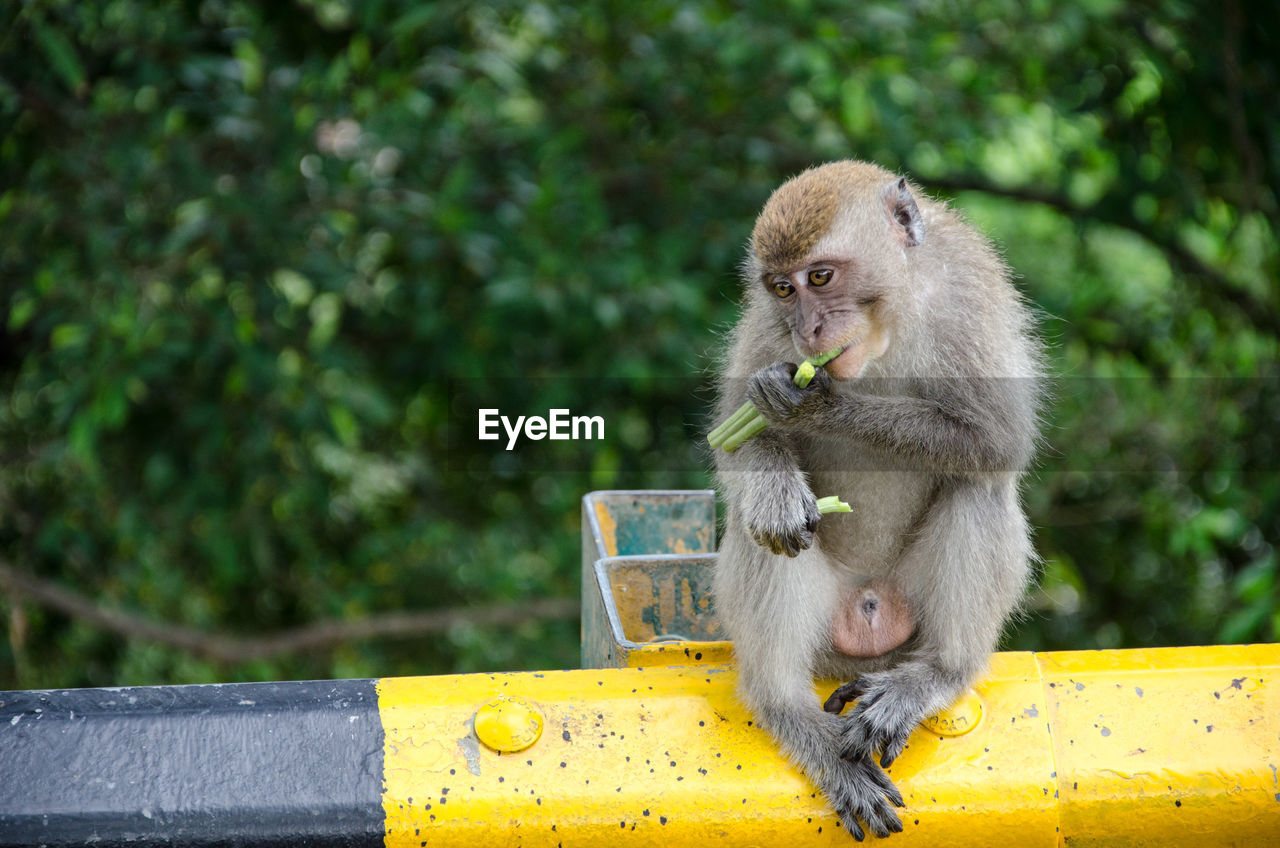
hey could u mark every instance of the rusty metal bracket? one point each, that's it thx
(646, 578)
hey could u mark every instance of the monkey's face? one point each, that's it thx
(826, 305)
(829, 249)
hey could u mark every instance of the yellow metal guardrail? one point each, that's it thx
(1171, 746)
(1176, 746)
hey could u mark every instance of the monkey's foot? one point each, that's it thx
(841, 698)
(882, 721)
(862, 793)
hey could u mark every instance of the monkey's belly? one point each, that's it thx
(888, 506)
(871, 620)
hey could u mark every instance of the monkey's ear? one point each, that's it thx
(904, 215)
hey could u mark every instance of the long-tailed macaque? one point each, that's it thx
(923, 425)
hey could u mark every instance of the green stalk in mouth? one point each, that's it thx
(747, 421)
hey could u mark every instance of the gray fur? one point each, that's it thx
(926, 443)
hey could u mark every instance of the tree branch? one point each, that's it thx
(322, 634)
(1216, 284)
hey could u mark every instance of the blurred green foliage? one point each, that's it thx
(245, 247)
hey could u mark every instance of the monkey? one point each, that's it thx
(924, 423)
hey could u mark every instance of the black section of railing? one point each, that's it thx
(238, 764)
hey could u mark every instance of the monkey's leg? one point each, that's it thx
(965, 572)
(777, 610)
(857, 789)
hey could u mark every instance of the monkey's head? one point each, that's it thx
(828, 252)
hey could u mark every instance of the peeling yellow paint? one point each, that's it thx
(608, 528)
(679, 653)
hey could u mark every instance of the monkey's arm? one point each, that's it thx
(764, 483)
(777, 614)
(952, 426)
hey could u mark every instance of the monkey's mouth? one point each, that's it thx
(856, 354)
(833, 364)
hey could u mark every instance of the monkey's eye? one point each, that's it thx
(820, 277)
(783, 289)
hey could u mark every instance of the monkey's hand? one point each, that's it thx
(773, 391)
(786, 520)
(775, 502)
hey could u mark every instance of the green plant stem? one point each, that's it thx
(832, 503)
(747, 421)
(754, 426)
(733, 422)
